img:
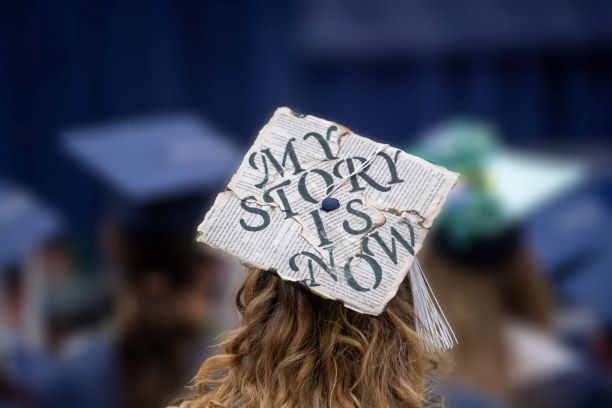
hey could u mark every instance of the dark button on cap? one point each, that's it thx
(330, 204)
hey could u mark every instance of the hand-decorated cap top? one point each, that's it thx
(316, 203)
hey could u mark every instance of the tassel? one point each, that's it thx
(431, 324)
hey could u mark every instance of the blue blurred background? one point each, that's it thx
(538, 73)
(539, 70)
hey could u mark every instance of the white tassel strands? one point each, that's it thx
(431, 324)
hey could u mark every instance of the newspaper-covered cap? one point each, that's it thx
(25, 223)
(345, 216)
(150, 159)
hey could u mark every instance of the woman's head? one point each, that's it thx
(295, 349)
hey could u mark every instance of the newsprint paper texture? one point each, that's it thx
(270, 215)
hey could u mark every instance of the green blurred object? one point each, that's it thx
(497, 188)
(463, 146)
(466, 147)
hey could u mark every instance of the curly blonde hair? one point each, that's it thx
(294, 349)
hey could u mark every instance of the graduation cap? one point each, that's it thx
(500, 189)
(150, 159)
(160, 169)
(25, 224)
(571, 240)
(342, 215)
(589, 287)
(566, 234)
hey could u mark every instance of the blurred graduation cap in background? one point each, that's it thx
(499, 190)
(572, 230)
(25, 225)
(571, 239)
(160, 170)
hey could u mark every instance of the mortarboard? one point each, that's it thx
(500, 190)
(160, 169)
(571, 239)
(25, 224)
(525, 182)
(154, 158)
(338, 213)
(568, 232)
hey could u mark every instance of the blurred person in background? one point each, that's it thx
(167, 293)
(571, 238)
(167, 290)
(27, 233)
(76, 310)
(487, 281)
